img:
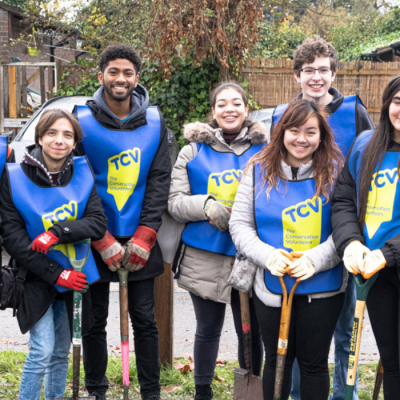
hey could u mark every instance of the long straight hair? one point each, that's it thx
(327, 159)
(376, 148)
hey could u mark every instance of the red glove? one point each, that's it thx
(138, 248)
(72, 279)
(45, 242)
(110, 250)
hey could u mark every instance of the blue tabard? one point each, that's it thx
(3, 153)
(342, 121)
(41, 207)
(217, 174)
(121, 161)
(295, 221)
(382, 219)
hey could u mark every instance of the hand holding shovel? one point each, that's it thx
(284, 330)
(77, 265)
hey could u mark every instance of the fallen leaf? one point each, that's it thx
(191, 363)
(137, 390)
(219, 378)
(8, 341)
(181, 367)
(170, 389)
(182, 298)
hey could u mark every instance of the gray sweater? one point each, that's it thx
(244, 235)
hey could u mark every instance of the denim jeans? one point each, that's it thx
(342, 337)
(49, 341)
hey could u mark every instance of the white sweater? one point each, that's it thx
(244, 235)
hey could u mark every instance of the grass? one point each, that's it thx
(177, 385)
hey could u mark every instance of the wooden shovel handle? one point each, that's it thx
(246, 329)
(283, 340)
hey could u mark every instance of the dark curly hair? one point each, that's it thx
(312, 48)
(119, 50)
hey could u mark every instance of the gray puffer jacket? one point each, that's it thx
(204, 273)
(244, 235)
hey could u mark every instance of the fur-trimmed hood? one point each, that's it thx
(203, 133)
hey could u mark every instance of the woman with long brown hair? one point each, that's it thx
(283, 206)
(366, 224)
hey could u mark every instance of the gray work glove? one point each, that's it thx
(217, 214)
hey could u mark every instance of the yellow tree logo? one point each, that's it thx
(123, 174)
(302, 225)
(223, 185)
(67, 212)
(380, 199)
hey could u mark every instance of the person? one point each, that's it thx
(369, 226)
(203, 187)
(48, 202)
(7, 155)
(126, 142)
(315, 66)
(282, 206)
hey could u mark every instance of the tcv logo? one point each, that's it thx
(223, 185)
(302, 225)
(123, 174)
(67, 212)
(380, 199)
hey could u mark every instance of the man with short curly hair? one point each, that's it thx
(126, 143)
(315, 67)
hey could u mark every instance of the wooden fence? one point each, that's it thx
(271, 82)
(15, 80)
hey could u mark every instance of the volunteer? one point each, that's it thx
(315, 66)
(126, 142)
(370, 225)
(49, 201)
(7, 154)
(282, 205)
(204, 183)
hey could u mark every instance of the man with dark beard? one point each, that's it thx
(126, 143)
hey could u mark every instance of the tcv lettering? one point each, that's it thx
(384, 177)
(303, 210)
(126, 158)
(227, 177)
(64, 213)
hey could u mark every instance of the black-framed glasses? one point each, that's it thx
(311, 71)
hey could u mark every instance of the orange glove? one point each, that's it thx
(110, 250)
(138, 248)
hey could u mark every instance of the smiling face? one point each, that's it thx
(119, 79)
(230, 110)
(57, 144)
(315, 86)
(394, 115)
(301, 142)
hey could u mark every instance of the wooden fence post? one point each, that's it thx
(42, 85)
(12, 94)
(24, 92)
(164, 310)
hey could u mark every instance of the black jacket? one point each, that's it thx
(158, 180)
(345, 218)
(39, 291)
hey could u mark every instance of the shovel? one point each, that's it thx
(77, 265)
(283, 336)
(362, 288)
(378, 381)
(286, 313)
(124, 324)
(246, 386)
